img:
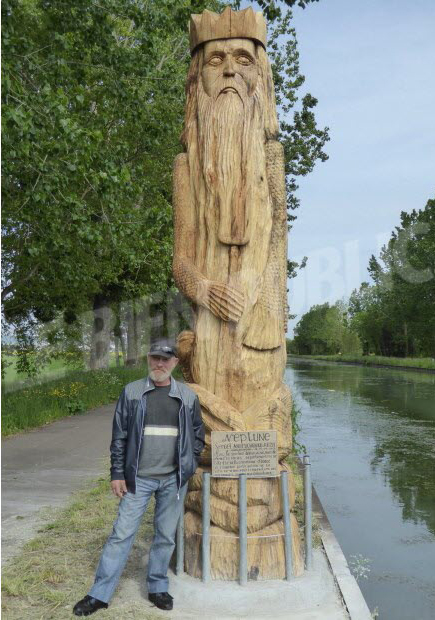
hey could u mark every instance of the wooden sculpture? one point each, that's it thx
(230, 259)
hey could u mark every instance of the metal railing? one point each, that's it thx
(243, 530)
(308, 513)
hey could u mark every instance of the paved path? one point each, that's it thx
(41, 468)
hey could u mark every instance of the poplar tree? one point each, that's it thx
(93, 106)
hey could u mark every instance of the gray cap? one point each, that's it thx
(163, 347)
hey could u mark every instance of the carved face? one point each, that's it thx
(229, 66)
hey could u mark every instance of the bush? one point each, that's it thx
(71, 395)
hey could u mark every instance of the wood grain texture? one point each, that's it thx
(230, 261)
(209, 26)
(266, 555)
(263, 499)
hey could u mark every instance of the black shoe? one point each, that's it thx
(88, 605)
(162, 600)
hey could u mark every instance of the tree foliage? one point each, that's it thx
(325, 330)
(271, 10)
(92, 112)
(91, 115)
(302, 139)
(396, 314)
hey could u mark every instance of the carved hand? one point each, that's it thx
(224, 301)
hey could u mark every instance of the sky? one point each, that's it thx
(371, 65)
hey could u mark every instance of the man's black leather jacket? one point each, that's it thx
(128, 425)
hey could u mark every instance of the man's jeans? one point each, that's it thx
(131, 509)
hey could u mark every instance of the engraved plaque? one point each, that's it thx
(254, 453)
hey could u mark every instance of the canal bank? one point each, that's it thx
(370, 434)
(365, 362)
(325, 591)
(352, 597)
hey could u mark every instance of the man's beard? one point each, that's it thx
(229, 131)
(160, 375)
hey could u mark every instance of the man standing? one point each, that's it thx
(157, 438)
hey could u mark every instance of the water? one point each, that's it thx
(370, 433)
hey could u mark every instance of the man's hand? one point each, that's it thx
(119, 488)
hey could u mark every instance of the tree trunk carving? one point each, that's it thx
(230, 260)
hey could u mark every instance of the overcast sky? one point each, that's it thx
(371, 64)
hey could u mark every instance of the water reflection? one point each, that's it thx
(403, 404)
(371, 434)
(409, 468)
(408, 393)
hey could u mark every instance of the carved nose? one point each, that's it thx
(229, 68)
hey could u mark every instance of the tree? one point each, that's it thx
(396, 315)
(91, 144)
(303, 141)
(272, 11)
(92, 111)
(324, 330)
(367, 318)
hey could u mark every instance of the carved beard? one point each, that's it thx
(229, 134)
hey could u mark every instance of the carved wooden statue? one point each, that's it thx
(230, 259)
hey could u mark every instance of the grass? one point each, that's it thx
(56, 569)
(13, 377)
(427, 363)
(73, 394)
(298, 508)
(55, 368)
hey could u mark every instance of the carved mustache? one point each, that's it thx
(224, 84)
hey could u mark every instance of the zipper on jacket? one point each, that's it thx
(178, 443)
(140, 441)
(179, 452)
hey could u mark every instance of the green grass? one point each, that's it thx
(12, 376)
(427, 363)
(298, 508)
(56, 569)
(54, 369)
(73, 394)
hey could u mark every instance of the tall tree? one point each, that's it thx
(92, 110)
(324, 330)
(396, 314)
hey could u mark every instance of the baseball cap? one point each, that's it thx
(165, 348)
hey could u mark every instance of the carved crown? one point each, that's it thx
(209, 26)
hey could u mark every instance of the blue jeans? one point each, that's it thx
(117, 548)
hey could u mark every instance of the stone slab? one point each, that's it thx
(313, 595)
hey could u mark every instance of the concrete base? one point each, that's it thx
(313, 596)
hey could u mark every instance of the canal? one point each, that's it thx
(370, 433)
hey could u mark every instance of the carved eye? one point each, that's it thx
(215, 60)
(244, 60)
